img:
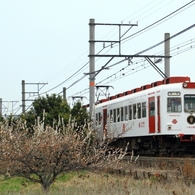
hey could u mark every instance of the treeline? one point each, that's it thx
(53, 111)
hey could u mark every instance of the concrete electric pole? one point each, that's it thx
(30, 92)
(92, 73)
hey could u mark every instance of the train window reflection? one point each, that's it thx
(143, 109)
(122, 114)
(114, 115)
(111, 116)
(134, 111)
(139, 110)
(118, 114)
(126, 113)
(173, 104)
(98, 119)
(130, 112)
(189, 103)
(152, 108)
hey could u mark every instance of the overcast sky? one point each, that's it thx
(46, 41)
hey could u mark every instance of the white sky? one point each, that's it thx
(47, 41)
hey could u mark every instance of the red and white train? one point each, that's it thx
(157, 117)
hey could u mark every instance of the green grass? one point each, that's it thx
(13, 185)
(86, 183)
(18, 185)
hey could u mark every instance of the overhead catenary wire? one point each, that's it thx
(71, 77)
(158, 21)
(135, 68)
(153, 24)
(155, 45)
(121, 41)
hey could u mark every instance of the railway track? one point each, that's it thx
(167, 163)
(162, 167)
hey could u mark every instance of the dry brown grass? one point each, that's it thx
(91, 183)
(188, 170)
(87, 183)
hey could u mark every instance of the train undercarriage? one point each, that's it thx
(165, 145)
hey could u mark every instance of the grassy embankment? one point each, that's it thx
(90, 183)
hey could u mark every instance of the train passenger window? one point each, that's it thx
(130, 112)
(111, 116)
(99, 118)
(96, 119)
(134, 111)
(122, 114)
(114, 115)
(139, 110)
(118, 114)
(152, 108)
(189, 103)
(126, 113)
(174, 104)
(143, 109)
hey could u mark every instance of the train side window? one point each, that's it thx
(143, 109)
(139, 110)
(152, 108)
(96, 119)
(189, 103)
(134, 111)
(118, 114)
(130, 112)
(174, 104)
(99, 118)
(126, 113)
(111, 116)
(114, 115)
(122, 114)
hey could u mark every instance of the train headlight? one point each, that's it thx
(169, 127)
(185, 85)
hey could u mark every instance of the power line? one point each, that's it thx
(177, 34)
(158, 20)
(149, 26)
(138, 68)
(121, 40)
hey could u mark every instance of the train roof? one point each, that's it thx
(166, 81)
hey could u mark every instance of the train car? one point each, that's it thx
(154, 118)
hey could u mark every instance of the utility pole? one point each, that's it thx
(92, 73)
(0, 106)
(167, 53)
(23, 97)
(6, 108)
(91, 66)
(64, 93)
(92, 56)
(13, 103)
(35, 93)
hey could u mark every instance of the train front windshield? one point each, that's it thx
(174, 104)
(189, 103)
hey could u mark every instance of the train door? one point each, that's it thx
(151, 114)
(158, 114)
(105, 122)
